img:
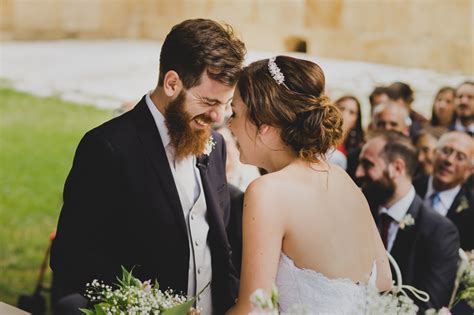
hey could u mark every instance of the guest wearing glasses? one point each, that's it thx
(446, 190)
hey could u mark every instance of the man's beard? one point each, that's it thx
(185, 140)
(378, 192)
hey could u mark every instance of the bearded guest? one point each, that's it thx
(148, 189)
(447, 190)
(424, 243)
(464, 104)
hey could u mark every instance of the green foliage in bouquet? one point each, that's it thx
(133, 296)
(467, 283)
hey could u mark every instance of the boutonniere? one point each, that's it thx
(202, 161)
(463, 204)
(209, 146)
(407, 220)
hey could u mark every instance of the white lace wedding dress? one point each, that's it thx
(317, 294)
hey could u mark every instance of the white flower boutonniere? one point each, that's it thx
(406, 221)
(463, 204)
(209, 146)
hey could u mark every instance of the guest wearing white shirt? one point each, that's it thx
(424, 243)
(446, 190)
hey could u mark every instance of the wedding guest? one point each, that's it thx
(386, 116)
(402, 94)
(443, 113)
(148, 188)
(378, 96)
(425, 143)
(424, 244)
(390, 116)
(353, 134)
(446, 190)
(464, 103)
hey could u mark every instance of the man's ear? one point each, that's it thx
(396, 168)
(172, 84)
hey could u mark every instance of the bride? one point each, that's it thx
(306, 226)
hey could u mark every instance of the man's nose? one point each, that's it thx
(359, 171)
(217, 114)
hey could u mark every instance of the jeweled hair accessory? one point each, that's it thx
(275, 71)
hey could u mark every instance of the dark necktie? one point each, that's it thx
(386, 220)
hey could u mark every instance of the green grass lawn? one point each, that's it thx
(38, 137)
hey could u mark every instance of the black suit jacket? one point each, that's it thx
(234, 229)
(121, 207)
(461, 211)
(427, 254)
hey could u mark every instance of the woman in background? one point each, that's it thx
(443, 113)
(353, 134)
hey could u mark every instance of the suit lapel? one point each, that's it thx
(153, 146)
(453, 211)
(215, 214)
(404, 241)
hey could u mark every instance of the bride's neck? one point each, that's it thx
(279, 160)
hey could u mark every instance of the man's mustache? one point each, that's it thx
(206, 119)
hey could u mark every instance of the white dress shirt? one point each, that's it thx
(397, 212)
(446, 197)
(458, 126)
(191, 194)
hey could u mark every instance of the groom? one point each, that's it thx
(148, 189)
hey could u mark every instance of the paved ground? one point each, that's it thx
(107, 73)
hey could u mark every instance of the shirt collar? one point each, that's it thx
(460, 127)
(159, 121)
(398, 210)
(446, 196)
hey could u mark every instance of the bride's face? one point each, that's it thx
(244, 131)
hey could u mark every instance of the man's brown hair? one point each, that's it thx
(199, 45)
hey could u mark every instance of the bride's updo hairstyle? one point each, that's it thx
(288, 94)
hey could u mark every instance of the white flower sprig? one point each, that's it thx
(463, 204)
(210, 145)
(406, 221)
(263, 303)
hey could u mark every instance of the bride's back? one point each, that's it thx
(328, 225)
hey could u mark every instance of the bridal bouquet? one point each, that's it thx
(466, 275)
(134, 297)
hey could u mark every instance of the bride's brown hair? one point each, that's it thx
(310, 124)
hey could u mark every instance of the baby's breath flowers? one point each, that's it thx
(134, 297)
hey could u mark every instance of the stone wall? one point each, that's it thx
(436, 34)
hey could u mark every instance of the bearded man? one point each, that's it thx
(148, 189)
(424, 243)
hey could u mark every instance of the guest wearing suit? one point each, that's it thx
(424, 243)
(148, 188)
(447, 191)
(402, 94)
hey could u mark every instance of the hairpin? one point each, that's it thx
(275, 71)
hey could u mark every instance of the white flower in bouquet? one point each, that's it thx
(388, 303)
(263, 303)
(467, 283)
(442, 311)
